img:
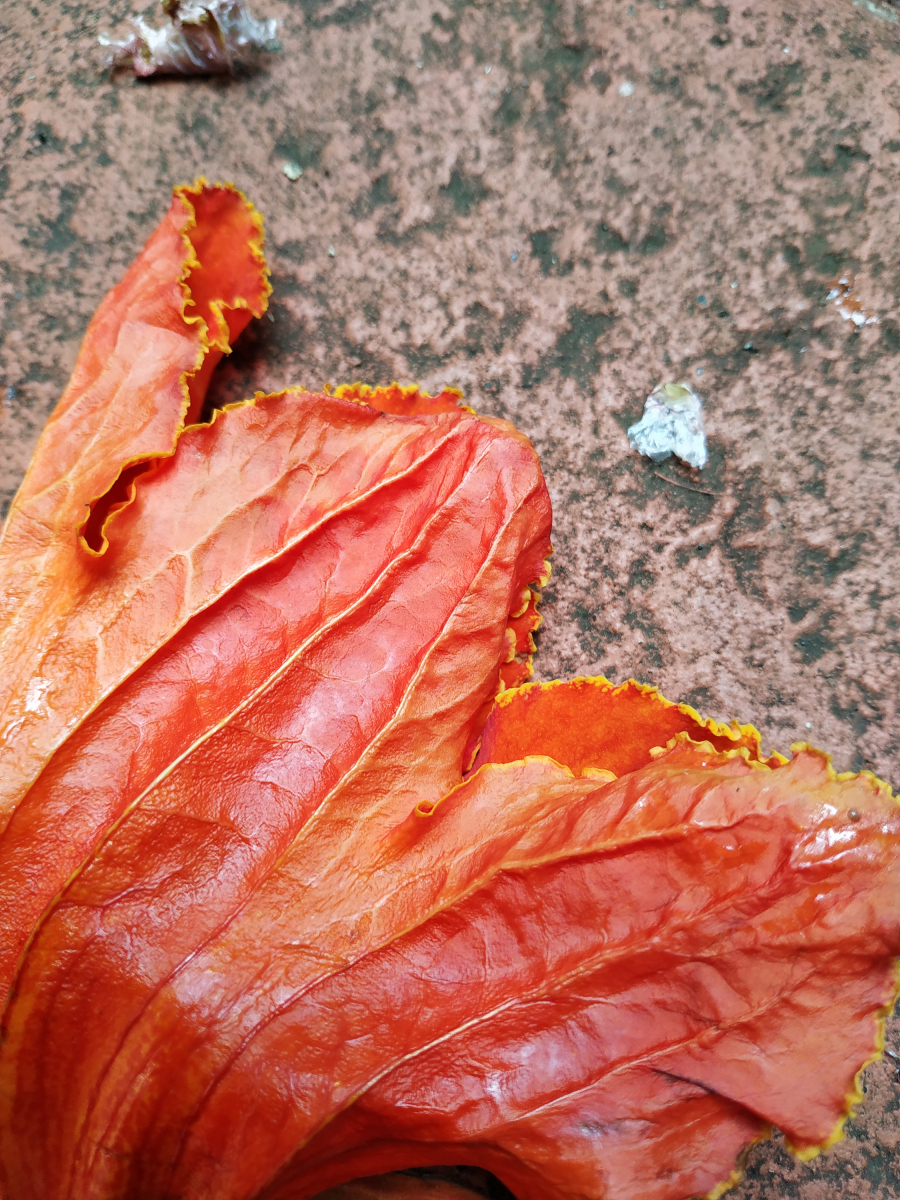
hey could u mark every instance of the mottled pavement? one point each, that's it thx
(508, 216)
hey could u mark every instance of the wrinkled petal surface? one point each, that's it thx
(294, 526)
(688, 955)
(66, 608)
(298, 884)
(591, 723)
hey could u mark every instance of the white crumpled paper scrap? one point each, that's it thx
(672, 424)
(201, 37)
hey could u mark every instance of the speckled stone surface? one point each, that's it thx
(554, 206)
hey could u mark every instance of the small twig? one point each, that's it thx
(687, 487)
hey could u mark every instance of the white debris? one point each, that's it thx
(672, 424)
(200, 37)
(847, 304)
(878, 10)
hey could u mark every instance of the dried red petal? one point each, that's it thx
(288, 563)
(264, 936)
(591, 722)
(63, 643)
(403, 401)
(704, 948)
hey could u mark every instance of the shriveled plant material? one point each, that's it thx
(198, 37)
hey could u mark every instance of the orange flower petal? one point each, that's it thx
(591, 722)
(265, 937)
(403, 401)
(125, 406)
(655, 972)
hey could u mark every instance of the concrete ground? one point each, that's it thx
(554, 206)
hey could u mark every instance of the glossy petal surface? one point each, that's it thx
(264, 934)
(301, 559)
(353, 625)
(690, 956)
(144, 363)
